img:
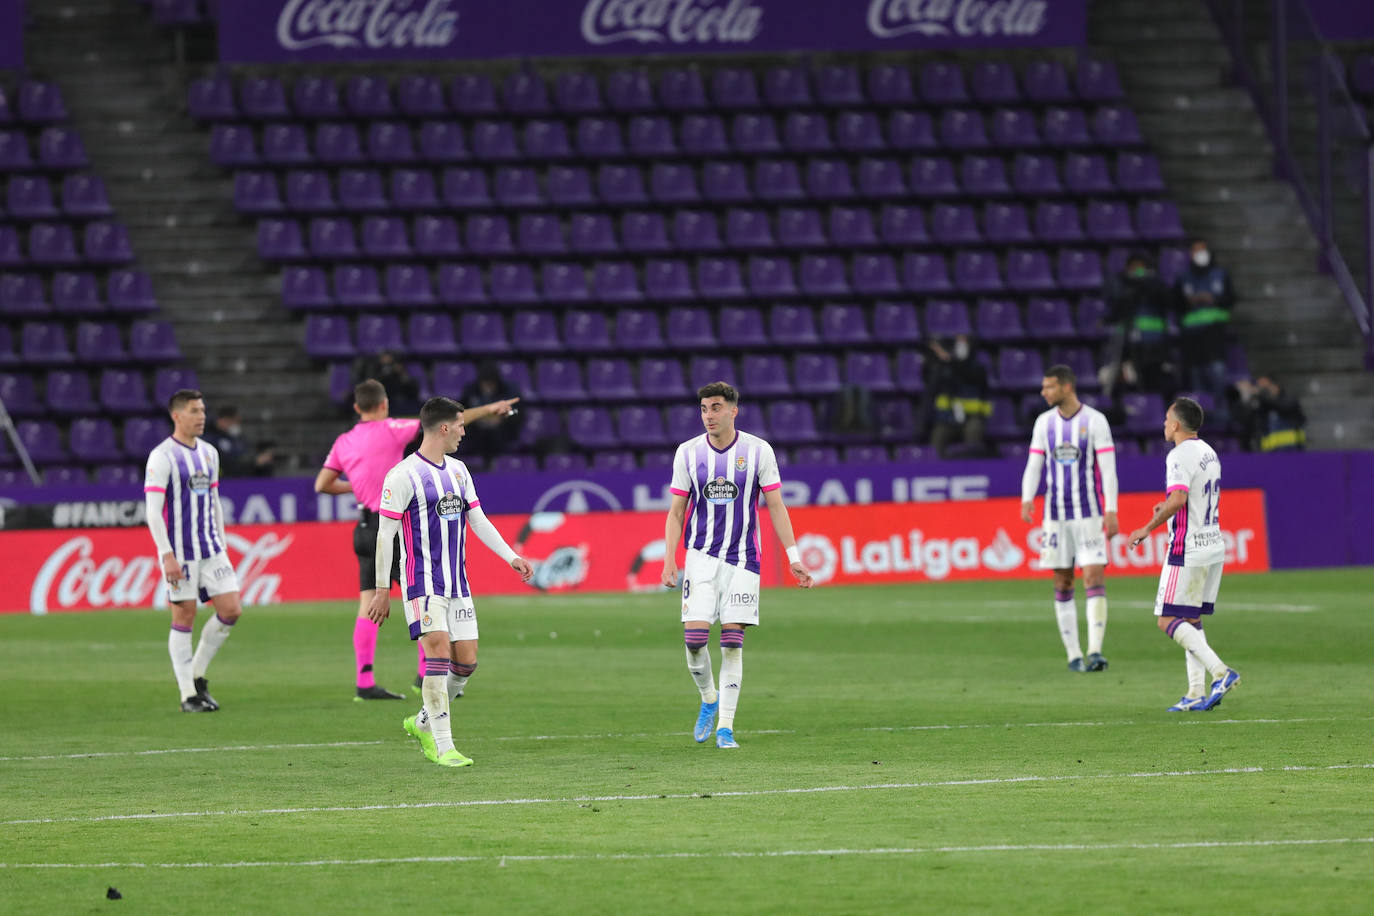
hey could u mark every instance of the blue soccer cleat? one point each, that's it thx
(725, 737)
(1077, 665)
(1221, 686)
(706, 721)
(1190, 704)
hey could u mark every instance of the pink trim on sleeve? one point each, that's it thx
(154, 489)
(770, 488)
(1037, 451)
(214, 483)
(1177, 486)
(676, 492)
(1110, 448)
(475, 504)
(389, 514)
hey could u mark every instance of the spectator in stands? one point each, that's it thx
(957, 386)
(402, 390)
(1204, 300)
(490, 435)
(1138, 304)
(237, 458)
(850, 412)
(1271, 419)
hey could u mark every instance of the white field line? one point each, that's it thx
(676, 796)
(502, 860)
(602, 736)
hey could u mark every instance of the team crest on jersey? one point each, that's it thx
(199, 482)
(458, 478)
(1067, 453)
(427, 621)
(740, 463)
(720, 491)
(450, 507)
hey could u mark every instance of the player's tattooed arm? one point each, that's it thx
(1176, 501)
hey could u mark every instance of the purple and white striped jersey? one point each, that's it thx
(723, 486)
(188, 476)
(1071, 446)
(432, 502)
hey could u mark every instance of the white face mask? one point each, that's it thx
(1202, 258)
(961, 349)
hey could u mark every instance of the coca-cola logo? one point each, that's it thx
(374, 24)
(74, 577)
(671, 21)
(963, 18)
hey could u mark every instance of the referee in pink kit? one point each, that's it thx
(364, 455)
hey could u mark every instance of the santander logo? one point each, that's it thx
(373, 24)
(963, 18)
(74, 577)
(671, 21)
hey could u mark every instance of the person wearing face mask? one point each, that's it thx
(1138, 303)
(237, 457)
(958, 390)
(1205, 298)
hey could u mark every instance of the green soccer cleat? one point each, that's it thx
(425, 738)
(453, 758)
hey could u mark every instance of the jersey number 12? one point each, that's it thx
(1211, 515)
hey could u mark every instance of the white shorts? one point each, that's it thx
(1080, 541)
(1187, 591)
(715, 591)
(204, 579)
(432, 614)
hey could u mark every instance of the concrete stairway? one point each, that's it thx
(1219, 166)
(128, 100)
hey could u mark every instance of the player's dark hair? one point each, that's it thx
(182, 396)
(719, 390)
(439, 410)
(1063, 373)
(1188, 413)
(369, 395)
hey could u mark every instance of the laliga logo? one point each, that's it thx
(72, 577)
(678, 21)
(967, 18)
(377, 24)
(818, 556)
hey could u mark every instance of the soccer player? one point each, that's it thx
(363, 455)
(430, 498)
(181, 493)
(1191, 574)
(723, 472)
(1072, 445)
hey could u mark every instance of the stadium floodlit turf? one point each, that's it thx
(903, 749)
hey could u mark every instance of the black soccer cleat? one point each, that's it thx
(202, 691)
(376, 692)
(197, 703)
(1096, 662)
(1077, 665)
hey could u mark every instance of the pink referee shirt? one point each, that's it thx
(367, 452)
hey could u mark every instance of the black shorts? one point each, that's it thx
(365, 547)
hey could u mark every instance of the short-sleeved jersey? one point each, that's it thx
(432, 502)
(1071, 446)
(723, 486)
(366, 452)
(188, 476)
(1195, 530)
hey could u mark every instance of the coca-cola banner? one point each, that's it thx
(341, 30)
(11, 36)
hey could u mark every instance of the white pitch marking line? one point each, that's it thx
(743, 854)
(677, 796)
(194, 750)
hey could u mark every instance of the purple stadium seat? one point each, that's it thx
(473, 94)
(123, 391)
(14, 150)
(561, 283)
(494, 141)
(590, 428)
(691, 328)
(641, 427)
(514, 284)
(211, 98)
(452, 377)
(999, 320)
(53, 245)
(829, 179)
(142, 435)
(1081, 361)
(839, 86)
(518, 187)
(414, 189)
(963, 129)
(542, 424)
(984, 176)
(777, 180)
(771, 278)
(642, 232)
(328, 337)
(695, 230)
(339, 144)
(1087, 174)
(748, 228)
(117, 476)
(1115, 125)
(85, 196)
(526, 94)
(734, 88)
(547, 140)
(629, 90)
(933, 176)
(668, 280)
(466, 188)
(559, 380)
(942, 83)
(1035, 175)
(616, 282)
(610, 378)
(947, 318)
(621, 185)
(442, 142)
(570, 463)
(896, 420)
(902, 225)
(316, 97)
(1109, 221)
(390, 143)
(792, 422)
(593, 233)
(638, 330)
(309, 192)
(22, 296)
(755, 134)
(1029, 271)
(1057, 222)
(61, 148)
(787, 87)
(705, 369)
(1091, 317)
(800, 228)
(286, 144)
(153, 342)
(896, 322)
(419, 96)
(792, 326)
(488, 235)
(868, 370)
(881, 178)
(876, 275)
(652, 136)
(742, 327)
(1007, 224)
(68, 393)
(92, 441)
(1018, 367)
(305, 288)
(1138, 173)
(333, 239)
(280, 240)
(130, 292)
(1003, 422)
(11, 252)
(76, 294)
(925, 273)
(1014, 128)
(720, 278)
(586, 332)
(662, 379)
(431, 335)
(483, 333)
(256, 193)
(864, 454)
(30, 197)
(1049, 319)
(599, 138)
(890, 85)
(540, 233)
(461, 284)
(859, 132)
(536, 332)
(808, 455)
(728, 182)
(823, 275)
(1047, 82)
(994, 83)
(765, 375)
(1066, 128)
(703, 135)
(357, 286)
(1158, 221)
(805, 132)
(436, 236)
(369, 96)
(263, 98)
(21, 395)
(954, 224)
(42, 440)
(911, 130)
(385, 237)
(577, 92)
(844, 325)
(852, 227)
(1079, 270)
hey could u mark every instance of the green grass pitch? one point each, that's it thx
(903, 749)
